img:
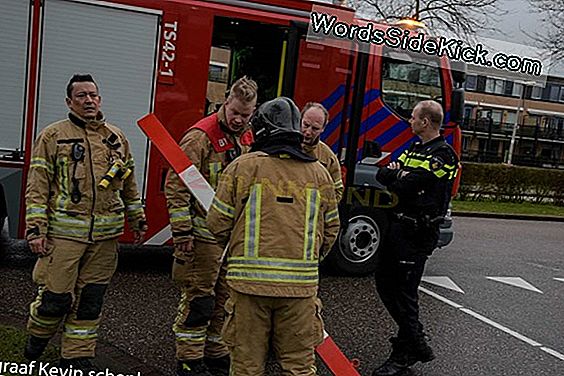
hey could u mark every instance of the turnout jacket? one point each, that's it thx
(424, 182)
(278, 215)
(211, 149)
(63, 198)
(328, 159)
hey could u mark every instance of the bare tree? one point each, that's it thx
(552, 37)
(460, 17)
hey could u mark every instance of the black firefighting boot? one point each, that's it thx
(195, 367)
(83, 363)
(218, 366)
(34, 347)
(398, 362)
(420, 351)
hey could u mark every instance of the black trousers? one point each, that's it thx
(400, 266)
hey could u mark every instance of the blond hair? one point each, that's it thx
(244, 89)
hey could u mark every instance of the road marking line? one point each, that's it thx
(445, 282)
(493, 323)
(559, 279)
(516, 281)
(552, 352)
(442, 299)
(501, 327)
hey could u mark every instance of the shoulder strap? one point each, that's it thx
(210, 126)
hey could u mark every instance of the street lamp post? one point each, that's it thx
(516, 124)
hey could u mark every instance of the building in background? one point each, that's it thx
(492, 108)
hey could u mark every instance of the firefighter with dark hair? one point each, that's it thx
(276, 208)
(211, 144)
(80, 186)
(422, 178)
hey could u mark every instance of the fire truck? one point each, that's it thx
(176, 58)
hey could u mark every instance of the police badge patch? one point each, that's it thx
(436, 163)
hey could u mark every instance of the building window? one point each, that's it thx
(499, 86)
(217, 72)
(494, 86)
(509, 85)
(554, 91)
(517, 90)
(536, 93)
(511, 117)
(471, 81)
(562, 94)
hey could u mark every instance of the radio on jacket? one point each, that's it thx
(119, 170)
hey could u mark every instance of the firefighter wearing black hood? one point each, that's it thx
(276, 207)
(422, 178)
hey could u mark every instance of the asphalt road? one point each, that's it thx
(517, 332)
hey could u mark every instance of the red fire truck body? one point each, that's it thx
(173, 57)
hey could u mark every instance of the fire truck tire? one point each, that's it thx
(363, 234)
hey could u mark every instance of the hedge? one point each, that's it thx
(500, 182)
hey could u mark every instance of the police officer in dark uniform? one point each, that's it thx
(422, 178)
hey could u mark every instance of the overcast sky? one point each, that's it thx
(519, 20)
(520, 17)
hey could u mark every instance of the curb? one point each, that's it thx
(522, 217)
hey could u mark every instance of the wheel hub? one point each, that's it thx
(360, 240)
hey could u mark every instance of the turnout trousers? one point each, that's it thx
(72, 278)
(400, 267)
(200, 275)
(293, 325)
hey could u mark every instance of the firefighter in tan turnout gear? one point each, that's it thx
(80, 186)
(211, 144)
(314, 122)
(276, 207)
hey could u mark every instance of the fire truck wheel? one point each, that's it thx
(354, 252)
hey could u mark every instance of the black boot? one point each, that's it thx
(83, 363)
(420, 351)
(218, 366)
(34, 347)
(398, 362)
(195, 367)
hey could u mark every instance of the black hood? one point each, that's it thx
(284, 143)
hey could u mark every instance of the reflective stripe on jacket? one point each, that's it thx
(186, 216)
(63, 196)
(278, 215)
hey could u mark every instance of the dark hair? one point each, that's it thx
(79, 78)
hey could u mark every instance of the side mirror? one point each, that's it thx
(457, 106)
(458, 71)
